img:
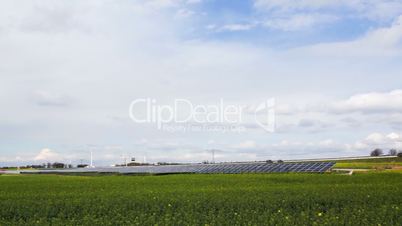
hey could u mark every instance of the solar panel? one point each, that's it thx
(237, 168)
(260, 168)
(227, 168)
(253, 168)
(247, 168)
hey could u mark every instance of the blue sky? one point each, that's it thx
(70, 69)
(300, 26)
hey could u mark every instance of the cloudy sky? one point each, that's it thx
(70, 69)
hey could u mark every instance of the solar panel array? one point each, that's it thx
(225, 168)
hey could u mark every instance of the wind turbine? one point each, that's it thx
(91, 165)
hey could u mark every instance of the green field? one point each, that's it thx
(373, 160)
(380, 163)
(248, 199)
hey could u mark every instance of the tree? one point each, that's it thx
(400, 155)
(280, 161)
(393, 152)
(270, 161)
(376, 152)
(58, 165)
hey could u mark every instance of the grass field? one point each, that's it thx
(372, 160)
(381, 163)
(249, 199)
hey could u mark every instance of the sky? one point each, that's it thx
(69, 71)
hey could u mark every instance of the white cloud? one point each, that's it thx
(370, 103)
(375, 138)
(298, 21)
(163, 3)
(45, 98)
(395, 137)
(287, 5)
(237, 27)
(328, 147)
(48, 155)
(184, 13)
(293, 22)
(248, 144)
(292, 15)
(193, 1)
(323, 145)
(387, 37)
(360, 111)
(10, 159)
(385, 41)
(372, 9)
(379, 140)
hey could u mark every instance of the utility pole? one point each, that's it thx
(124, 157)
(213, 155)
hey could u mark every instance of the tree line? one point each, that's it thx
(380, 152)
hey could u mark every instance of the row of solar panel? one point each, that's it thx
(309, 167)
(265, 168)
